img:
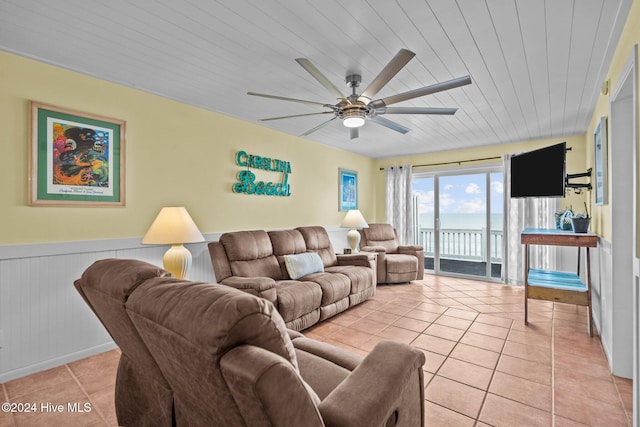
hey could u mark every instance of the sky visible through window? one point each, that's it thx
(462, 200)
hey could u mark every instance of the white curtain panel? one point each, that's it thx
(520, 214)
(400, 202)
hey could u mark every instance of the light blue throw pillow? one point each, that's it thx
(300, 265)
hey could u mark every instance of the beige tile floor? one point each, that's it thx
(484, 367)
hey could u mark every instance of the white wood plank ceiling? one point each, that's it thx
(536, 65)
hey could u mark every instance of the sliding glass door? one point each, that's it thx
(459, 221)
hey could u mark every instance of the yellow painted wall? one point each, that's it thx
(630, 37)
(175, 155)
(576, 159)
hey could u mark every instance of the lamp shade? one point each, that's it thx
(173, 225)
(354, 219)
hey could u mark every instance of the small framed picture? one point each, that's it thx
(75, 158)
(347, 190)
(600, 161)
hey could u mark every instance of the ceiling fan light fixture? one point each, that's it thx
(356, 108)
(353, 118)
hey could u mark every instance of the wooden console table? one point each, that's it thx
(558, 286)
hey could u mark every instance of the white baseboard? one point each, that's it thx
(58, 361)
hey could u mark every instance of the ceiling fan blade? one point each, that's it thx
(282, 98)
(295, 115)
(388, 72)
(311, 69)
(427, 90)
(389, 124)
(415, 110)
(354, 133)
(320, 126)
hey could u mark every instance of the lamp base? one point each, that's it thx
(177, 261)
(354, 240)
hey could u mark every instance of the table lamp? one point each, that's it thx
(354, 220)
(173, 226)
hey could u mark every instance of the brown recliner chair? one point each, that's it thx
(142, 394)
(396, 263)
(230, 361)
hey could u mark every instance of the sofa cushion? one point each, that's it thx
(226, 316)
(296, 298)
(380, 235)
(286, 242)
(189, 327)
(334, 286)
(322, 375)
(250, 254)
(400, 263)
(401, 268)
(317, 240)
(360, 277)
(299, 265)
(246, 245)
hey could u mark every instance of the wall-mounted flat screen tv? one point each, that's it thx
(539, 173)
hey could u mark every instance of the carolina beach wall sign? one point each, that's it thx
(247, 180)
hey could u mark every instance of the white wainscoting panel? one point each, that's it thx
(600, 272)
(603, 299)
(44, 322)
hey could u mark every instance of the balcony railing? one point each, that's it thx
(462, 244)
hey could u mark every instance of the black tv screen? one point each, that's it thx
(539, 173)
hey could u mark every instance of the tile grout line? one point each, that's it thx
(93, 405)
(486, 392)
(5, 397)
(446, 357)
(476, 419)
(501, 353)
(493, 372)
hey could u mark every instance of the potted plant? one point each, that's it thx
(580, 222)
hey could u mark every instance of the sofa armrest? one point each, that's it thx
(409, 249)
(373, 249)
(418, 252)
(387, 387)
(337, 355)
(294, 334)
(361, 259)
(264, 287)
(256, 378)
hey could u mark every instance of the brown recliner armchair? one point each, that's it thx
(142, 394)
(396, 263)
(230, 361)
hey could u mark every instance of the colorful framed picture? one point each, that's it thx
(347, 190)
(600, 159)
(75, 158)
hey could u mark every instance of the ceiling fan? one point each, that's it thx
(355, 109)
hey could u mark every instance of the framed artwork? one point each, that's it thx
(75, 158)
(347, 190)
(600, 161)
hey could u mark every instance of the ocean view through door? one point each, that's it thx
(459, 221)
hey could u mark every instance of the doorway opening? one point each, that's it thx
(459, 221)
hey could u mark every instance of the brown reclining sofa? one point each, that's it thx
(262, 263)
(196, 354)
